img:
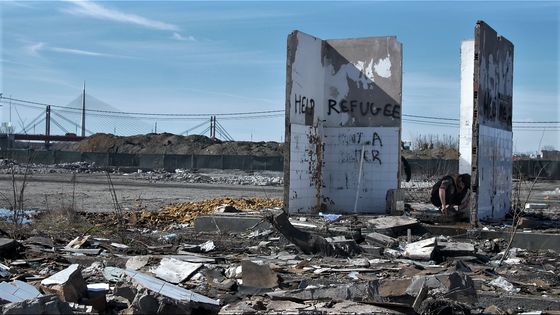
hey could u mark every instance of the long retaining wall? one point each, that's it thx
(434, 167)
(148, 161)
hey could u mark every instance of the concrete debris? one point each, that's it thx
(422, 250)
(168, 290)
(381, 239)
(392, 223)
(17, 291)
(311, 243)
(174, 270)
(68, 284)
(258, 275)
(502, 283)
(49, 304)
(137, 262)
(270, 265)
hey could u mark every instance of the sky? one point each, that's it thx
(188, 57)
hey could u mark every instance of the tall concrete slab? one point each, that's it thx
(467, 107)
(491, 135)
(343, 123)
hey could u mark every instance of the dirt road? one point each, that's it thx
(91, 192)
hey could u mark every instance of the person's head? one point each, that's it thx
(464, 182)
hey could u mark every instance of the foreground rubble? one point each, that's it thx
(261, 261)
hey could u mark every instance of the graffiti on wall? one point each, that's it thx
(492, 136)
(343, 98)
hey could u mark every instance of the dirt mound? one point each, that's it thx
(166, 143)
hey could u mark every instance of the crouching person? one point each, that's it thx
(452, 190)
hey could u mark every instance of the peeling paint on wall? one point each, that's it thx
(343, 100)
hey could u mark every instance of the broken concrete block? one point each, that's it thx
(48, 304)
(174, 270)
(453, 249)
(17, 291)
(311, 243)
(171, 291)
(380, 239)
(392, 223)
(455, 286)
(137, 262)
(372, 251)
(68, 284)
(258, 276)
(421, 250)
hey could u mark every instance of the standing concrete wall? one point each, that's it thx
(492, 139)
(343, 122)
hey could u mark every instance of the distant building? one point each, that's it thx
(552, 155)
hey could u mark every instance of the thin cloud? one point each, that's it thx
(35, 49)
(78, 52)
(180, 37)
(94, 10)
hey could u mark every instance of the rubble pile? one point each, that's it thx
(166, 143)
(262, 178)
(231, 177)
(278, 265)
(186, 212)
(183, 213)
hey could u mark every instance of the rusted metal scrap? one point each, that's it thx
(310, 243)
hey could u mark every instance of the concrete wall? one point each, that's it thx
(467, 104)
(343, 99)
(492, 138)
(434, 168)
(148, 161)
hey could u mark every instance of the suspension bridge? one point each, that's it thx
(86, 115)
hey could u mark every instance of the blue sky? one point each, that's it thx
(220, 57)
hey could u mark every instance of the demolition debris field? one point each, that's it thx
(107, 241)
(213, 241)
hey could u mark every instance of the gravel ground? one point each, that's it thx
(85, 187)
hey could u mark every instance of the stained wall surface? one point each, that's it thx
(492, 128)
(467, 104)
(343, 101)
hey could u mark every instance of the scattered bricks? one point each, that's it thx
(68, 284)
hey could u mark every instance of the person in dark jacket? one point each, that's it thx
(450, 191)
